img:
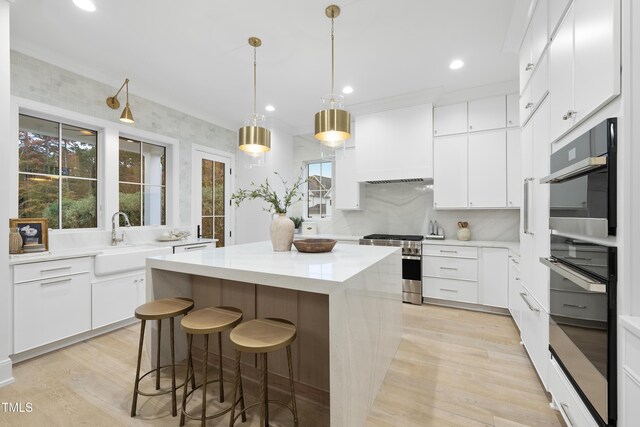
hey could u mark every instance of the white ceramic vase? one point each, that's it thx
(282, 229)
(464, 233)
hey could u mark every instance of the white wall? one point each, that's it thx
(252, 222)
(5, 135)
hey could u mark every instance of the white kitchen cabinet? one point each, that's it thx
(533, 43)
(194, 247)
(487, 113)
(525, 63)
(493, 277)
(116, 299)
(584, 65)
(513, 119)
(349, 193)
(450, 289)
(535, 91)
(534, 332)
(47, 310)
(487, 164)
(631, 374)
(450, 273)
(450, 268)
(514, 169)
(516, 304)
(395, 144)
(557, 8)
(450, 171)
(566, 399)
(450, 119)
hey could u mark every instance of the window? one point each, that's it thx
(319, 185)
(57, 173)
(142, 182)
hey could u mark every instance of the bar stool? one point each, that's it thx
(204, 322)
(166, 308)
(262, 336)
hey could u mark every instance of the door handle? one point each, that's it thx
(448, 268)
(524, 297)
(529, 66)
(568, 115)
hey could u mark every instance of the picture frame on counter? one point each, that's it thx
(34, 233)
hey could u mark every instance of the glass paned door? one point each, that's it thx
(214, 197)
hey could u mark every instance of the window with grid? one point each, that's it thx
(142, 182)
(57, 173)
(319, 189)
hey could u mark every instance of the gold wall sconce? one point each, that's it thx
(114, 104)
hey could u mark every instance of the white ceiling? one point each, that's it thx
(193, 55)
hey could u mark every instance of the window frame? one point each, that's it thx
(306, 164)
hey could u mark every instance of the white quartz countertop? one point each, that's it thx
(258, 263)
(512, 246)
(89, 252)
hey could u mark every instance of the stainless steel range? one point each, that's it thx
(411, 261)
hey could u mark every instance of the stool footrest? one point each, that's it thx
(161, 392)
(276, 402)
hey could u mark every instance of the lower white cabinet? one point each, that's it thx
(450, 289)
(567, 401)
(628, 405)
(516, 304)
(193, 247)
(494, 277)
(349, 193)
(51, 309)
(116, 299)
(534, 332)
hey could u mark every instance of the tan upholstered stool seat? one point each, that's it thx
(164, 308)
(210, 320)
(263, 335)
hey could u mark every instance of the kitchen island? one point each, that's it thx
(347, 305)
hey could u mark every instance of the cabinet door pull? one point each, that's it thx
(448, 252)
(568, 115)
(524, 297)
(68, 279)
(575, 305)
(565, 409)
(55, 269)
(529, 66)
(448, 290)
(529, 105)
(448, 268)
(188, 248)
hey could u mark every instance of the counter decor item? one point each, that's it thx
(15, 241)
(297, 223)
(173, 236)
(282, 228)
(34, 233)
(463, 231)
(435, 232)
(314, 245)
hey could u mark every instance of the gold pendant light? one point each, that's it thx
(254, 137)
(333, 125)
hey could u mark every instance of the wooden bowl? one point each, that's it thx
(314, 245)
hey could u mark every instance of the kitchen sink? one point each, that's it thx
(119, 259)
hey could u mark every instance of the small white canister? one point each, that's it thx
(309, 228)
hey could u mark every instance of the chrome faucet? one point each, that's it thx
(114, 238)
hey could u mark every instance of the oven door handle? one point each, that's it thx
(581, 280)
(583, 166)
(412, 257)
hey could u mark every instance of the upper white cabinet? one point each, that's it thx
(513, 119)
(450, 171)
(514, 169)
(557, 9)
(487, 113)
(533, 43)
(450, 119)
(487, 169)
(349, 194)
(536, 90)
(584, 63)
(395, 144)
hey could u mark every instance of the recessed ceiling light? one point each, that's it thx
(270, 108)
(86, 5)
(347, 90)
(455, 64)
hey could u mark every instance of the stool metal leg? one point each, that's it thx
(137, 381)
(264, 391)
(204, 380)
(158, 355)
(186, 379)
(237, 382)
(173, 368)
(293, 392)
(220, 374)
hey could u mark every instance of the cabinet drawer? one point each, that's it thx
(451, 268)
(50, 310)
(454, 290)
(193, 248)
(44, 270)
(115, 299)
(567, 401)
(450, 251)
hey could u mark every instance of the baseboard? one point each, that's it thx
(468, 306)
(6, 376)
(57, 345)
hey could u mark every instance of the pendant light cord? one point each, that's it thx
(254, 83)
(332, 60)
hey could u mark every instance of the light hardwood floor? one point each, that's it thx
(453, 368)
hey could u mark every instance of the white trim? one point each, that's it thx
(230, 160)
(6, 377)
(108, 134)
